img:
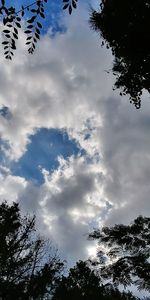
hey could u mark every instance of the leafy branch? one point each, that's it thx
(12, 22)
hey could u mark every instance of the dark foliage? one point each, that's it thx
(83, 284)
(128, 250)
(12, 18)
(29, 267)
(125, 28)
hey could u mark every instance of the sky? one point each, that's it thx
(73, 151)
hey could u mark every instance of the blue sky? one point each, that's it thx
(53, 14)
(5, 113)
(43, 150)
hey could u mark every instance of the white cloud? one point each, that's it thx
(54, 88)
(11, 186)
(70, 201)
(64, 86)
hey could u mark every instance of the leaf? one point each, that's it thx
(42, 15)
(11, 10)
(70, 9)
(6, 31)
(5, 42)
(39, 25)
(37, 30)
(27, 31)
(65, 6)
(18, 19)
(13, 46)
(11, 19)
(31, 20)
(5, 20)
(15, 35)
(13, 41)
(7, 36)
(38, 3)
(29, 38)
(18, 24)
(8, 57)
(30, 26)
(33, 10)
(37, 36)
(74, 4)
(16, 30)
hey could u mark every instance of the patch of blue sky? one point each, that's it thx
(42, 152)
(53, 18)
(4, 146)
(53, 14)
(5, 112)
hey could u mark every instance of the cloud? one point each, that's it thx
(64, 86)
(54, 88)
(70, 202)
(125, 143)
(11, 186)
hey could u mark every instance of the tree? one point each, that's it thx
(83, 284)
(124, 253)
(29, 268)
(125, 28)
(33, 13)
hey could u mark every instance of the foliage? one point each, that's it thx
(12, 18)
(126, 249)
(28, 265)
(125, 28)
(83, 284)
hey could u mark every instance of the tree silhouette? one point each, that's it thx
(125, 28)
(83, 284)
(125, 259)
(33, 13)
(29, 268)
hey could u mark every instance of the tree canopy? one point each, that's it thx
(29, 267)
(124, 253)
(83, 284)
(125, 27)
